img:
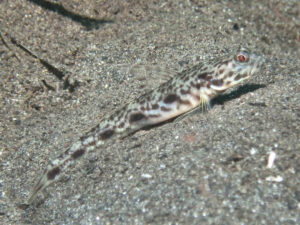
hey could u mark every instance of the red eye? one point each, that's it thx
(242, 58)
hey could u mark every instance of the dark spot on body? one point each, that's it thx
(155, 106)
(221, 71)
(165, 109)
(208, 85)
(184, 92)
(92, 143)
(208, 77)
(224, 62)
(229, 74)
(119, 117)
(93, 129)
(217, 82)
(121, 125)
(238, 77)
(82, 138)
(148, 98)
(143, 108)
(136, 117)
(107, 134)
(184, 102)
(53, 173)
(202, 75)
(118, 112)
(171, 98)
(78, 153)
(154, 115)
(220, 91)
(65, 153)
(198, 85)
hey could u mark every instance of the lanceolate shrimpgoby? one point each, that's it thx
(191, 88)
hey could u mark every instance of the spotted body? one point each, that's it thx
(185, 91)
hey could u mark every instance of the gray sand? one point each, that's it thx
(208, 168)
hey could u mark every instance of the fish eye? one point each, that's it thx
(242, 57)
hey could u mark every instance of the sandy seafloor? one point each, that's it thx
(208, 168)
